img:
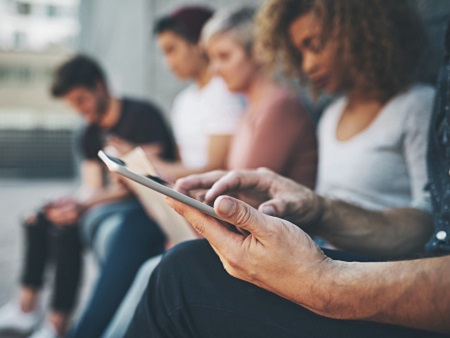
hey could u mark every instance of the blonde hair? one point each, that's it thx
(239, 23)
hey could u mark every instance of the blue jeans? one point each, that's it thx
(191, 295)
(135, 239)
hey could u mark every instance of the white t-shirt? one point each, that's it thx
(383, 166)
(199, 113)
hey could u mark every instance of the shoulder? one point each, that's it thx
(285, 102)
(140, 110)
(418, 99)
(185, 96)
(185, 93)
(217, 102)
(217, 91)
(216, 85)
(413, 108)
(139, 105)
(283, 109)
(335, 107)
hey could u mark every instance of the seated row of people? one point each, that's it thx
(270, 279)
(371, 171)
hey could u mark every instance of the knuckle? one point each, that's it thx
(243, 216)
(199, 228)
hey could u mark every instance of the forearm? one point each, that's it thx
(391, 233)
(104, 195)
(175, 170)
(407, 293)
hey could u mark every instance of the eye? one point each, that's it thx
(313, 44)
(317, 45)
(223, 56)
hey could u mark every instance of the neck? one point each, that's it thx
(204, 75)
(358, 101)
(112, 113)
(256, 88)
(366, 97)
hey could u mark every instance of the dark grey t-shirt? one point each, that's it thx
(140, 122)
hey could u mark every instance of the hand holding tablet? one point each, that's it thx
(155, 183)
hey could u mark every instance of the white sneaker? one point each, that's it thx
(12, 318)
(45, 331)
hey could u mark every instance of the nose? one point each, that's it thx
(309, 64)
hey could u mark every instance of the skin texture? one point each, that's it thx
(185, 60)
(232, 63)
(382, 292)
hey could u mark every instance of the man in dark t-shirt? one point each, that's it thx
(139, 123)
(109, 121)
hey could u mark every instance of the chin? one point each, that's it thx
(234, 88)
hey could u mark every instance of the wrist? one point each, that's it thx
(81, 207)
(331, 293)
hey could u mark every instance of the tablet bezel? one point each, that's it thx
(115, 165)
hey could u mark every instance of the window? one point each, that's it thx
(23, 8)
(52, 11)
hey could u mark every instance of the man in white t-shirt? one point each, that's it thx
(205, 114)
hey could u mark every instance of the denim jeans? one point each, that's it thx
(135, 239)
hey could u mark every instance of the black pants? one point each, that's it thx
(44, 242)
(191, 295)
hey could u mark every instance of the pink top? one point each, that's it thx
(278, 134)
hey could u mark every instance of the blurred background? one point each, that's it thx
(36, 162)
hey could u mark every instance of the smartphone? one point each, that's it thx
(153, 182)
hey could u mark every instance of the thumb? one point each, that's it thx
(274, 207)
(241, 215)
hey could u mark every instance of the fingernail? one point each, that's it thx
(268, 210)
(226, 206)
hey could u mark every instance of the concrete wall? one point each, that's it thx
(119, 34)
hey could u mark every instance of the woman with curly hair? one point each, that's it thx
(373, 136)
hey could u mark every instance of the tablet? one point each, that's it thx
(155, 183)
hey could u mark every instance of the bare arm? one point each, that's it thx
(93, 190)
(67, 210)
(389, 234)
(281, 258)
(218, 146)
(408, 293)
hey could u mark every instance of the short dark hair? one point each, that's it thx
(186, 22)
(80, 71)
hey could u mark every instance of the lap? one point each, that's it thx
(190, 294)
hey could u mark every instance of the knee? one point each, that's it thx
(34, 220)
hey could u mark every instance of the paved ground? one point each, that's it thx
(16, 198)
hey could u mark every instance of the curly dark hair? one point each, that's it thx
(381, 43)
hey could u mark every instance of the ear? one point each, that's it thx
(101, 87)
(201, 50)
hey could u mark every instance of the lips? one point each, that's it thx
(320, 82)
